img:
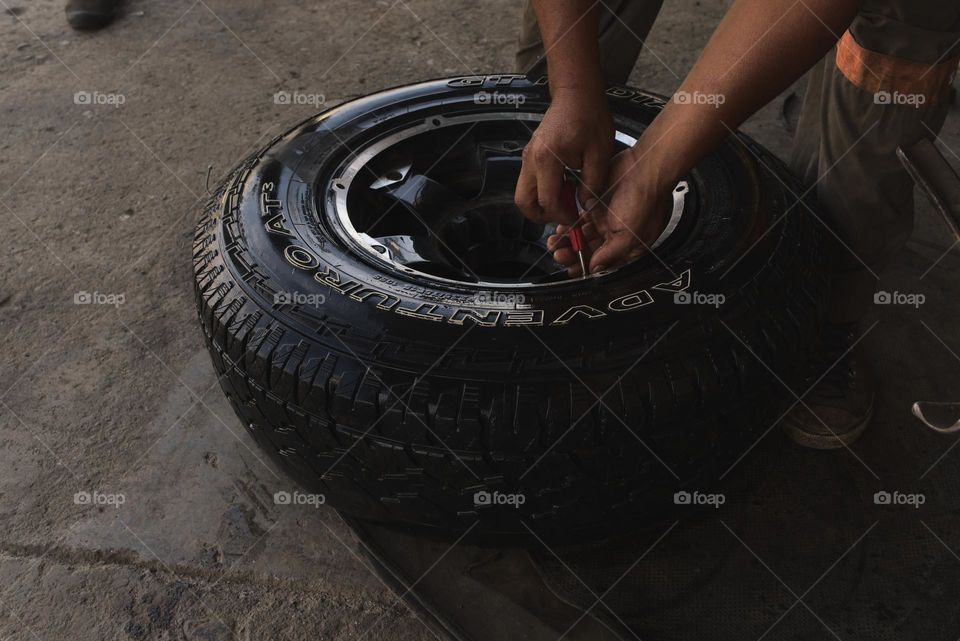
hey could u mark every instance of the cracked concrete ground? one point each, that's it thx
(119, 402)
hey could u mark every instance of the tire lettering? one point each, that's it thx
(387, 302)
(633, 96)
(505, 79)
(460, 315)
(468, 81)
(619, 92)
(275, 226)
(331, 278)
(679, 284)
(570, 314)
(445, 308)
(300, 257)
(630, 301)
(267, 203)
(516, 318)
(423, 311)
(477, 81)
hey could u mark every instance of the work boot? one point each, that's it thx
(842, 400)
(91, 14)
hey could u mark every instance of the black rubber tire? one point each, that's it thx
(398, 410)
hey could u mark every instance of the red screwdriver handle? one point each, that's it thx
(576, 240)
(570, 202)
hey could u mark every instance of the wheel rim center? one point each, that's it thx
(436, 200)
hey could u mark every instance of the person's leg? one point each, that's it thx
(623, 26)
(886, 85)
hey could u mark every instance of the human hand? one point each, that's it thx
(576, 132)
(622, 229)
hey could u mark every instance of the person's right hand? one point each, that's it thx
(634, 213)
(576, 132)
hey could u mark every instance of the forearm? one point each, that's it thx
(569, 32)
(759, 49)
(577, 130)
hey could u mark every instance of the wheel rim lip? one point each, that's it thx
(337, 190)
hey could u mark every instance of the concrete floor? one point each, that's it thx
(121, 400)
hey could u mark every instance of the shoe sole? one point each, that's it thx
(89, 20)
(828, 441)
